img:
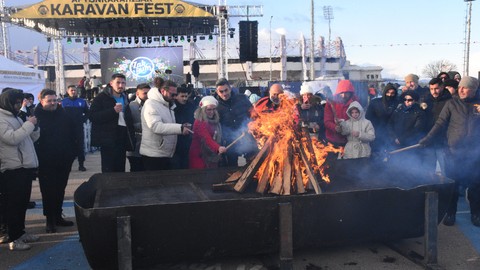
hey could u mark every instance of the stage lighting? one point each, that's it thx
(69, 40)
(182, 38)
(136, 40)
(104, 40)
(92, 40)
(129, 40)
(163, 39)
(117, 40)
(97, 40)
(85, 41)
(189, 39)
(149, 40)
(110, 40)
(169, 39)
(175, 38)
(194, 38)
(210, 37)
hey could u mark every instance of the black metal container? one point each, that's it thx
(175, 215)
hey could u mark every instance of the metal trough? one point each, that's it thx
(175, 215)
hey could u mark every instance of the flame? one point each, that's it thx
(284, 167)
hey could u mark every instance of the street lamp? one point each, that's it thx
(271, 17)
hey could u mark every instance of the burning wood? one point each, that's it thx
(290, 161)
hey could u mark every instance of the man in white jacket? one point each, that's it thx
(159, 130)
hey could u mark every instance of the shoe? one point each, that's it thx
(476, 220)
(60, 221)
(50, 228)
(31, 205)
(81, 168)
(4, 239)
(29, 238)
(449, 220)
(18, 245)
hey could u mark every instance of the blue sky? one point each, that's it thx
(401, 36)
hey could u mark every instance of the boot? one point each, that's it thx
(60, 221)
(81, 167)
(51, 225)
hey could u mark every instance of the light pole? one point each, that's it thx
(466, 58)
(271, 17)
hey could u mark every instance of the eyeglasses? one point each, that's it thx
(408, 99)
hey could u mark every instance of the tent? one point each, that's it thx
(16, 75)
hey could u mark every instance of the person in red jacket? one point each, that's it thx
(207, 135)
(336, 112)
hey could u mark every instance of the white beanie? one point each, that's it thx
(208, 100)
(247, 93)
(305, 89)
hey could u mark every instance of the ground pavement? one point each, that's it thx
(458, 246)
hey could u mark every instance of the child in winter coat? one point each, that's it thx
(359, 132)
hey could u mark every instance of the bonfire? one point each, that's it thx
(290, 161)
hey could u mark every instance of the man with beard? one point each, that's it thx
(18, 162)
(411, 83)
(55, 155)
(184, 111)
(336, 112)
(110, 131)
(234, 110)
(134, 113)
(434, 103)
(461, 118)
(272, 102)
(378, 112)
(159, 129)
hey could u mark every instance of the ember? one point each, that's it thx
(290, 161)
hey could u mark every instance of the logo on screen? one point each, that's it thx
(142, 67)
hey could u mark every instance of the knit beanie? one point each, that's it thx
(305, 89)
(208, 100)
(411, 78)
(469, 82)
(451, 82)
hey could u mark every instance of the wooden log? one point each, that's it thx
(252, 168)
(234, 177)
(309, 170)
(223, 187)
(298, 175)
(287, 171)
(264, 180)
(277, 183)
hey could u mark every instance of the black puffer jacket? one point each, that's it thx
(379, 112)
(435, 106)
(407, 125)
(234, 114)
(462, 120)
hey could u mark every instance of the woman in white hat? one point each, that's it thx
(206, 149)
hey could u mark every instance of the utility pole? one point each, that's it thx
(271, 17)
(468, 22)
(312, 44)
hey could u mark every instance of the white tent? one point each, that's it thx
(16, 75)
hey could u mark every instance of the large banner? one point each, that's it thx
(104, 9)
(141, 65)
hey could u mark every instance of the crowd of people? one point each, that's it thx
(166, 126)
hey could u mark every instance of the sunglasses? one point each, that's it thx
(408, 99)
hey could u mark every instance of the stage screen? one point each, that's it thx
(141, 65)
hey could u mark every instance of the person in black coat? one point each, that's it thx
(110, 130)
(406, 126)
(184, 110)
(433, 104)
(56, 152)
(461, 117)
(379, 112)
(234, 110)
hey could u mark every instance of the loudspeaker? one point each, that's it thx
(51, 74)
(248, 31)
